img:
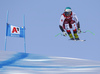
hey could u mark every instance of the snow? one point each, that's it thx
(25, 63)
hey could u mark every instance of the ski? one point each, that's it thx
(78, 40)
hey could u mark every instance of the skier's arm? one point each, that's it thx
(76, 20)
(78, 25)
(61, 28)
(61, 23)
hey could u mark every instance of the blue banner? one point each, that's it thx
(15, 31)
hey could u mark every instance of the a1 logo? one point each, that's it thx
(15, 30)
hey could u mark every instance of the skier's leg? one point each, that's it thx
(75, 31)
(68, 31)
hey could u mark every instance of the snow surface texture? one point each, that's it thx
(25, 63)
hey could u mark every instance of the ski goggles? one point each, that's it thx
(67, 13)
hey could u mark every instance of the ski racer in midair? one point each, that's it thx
(69, 21)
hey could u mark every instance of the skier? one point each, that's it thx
(69, 21)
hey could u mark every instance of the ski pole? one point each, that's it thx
(59, 34)
(88, 31)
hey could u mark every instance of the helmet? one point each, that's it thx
(68, 11)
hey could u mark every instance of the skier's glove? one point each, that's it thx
(64, 34)
(79, 30)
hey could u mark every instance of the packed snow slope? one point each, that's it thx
(26, 63)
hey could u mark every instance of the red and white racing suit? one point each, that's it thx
(69, 22)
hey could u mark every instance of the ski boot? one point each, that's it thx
(71, 36)
(76, 36)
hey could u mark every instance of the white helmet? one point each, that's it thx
(68, 11)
